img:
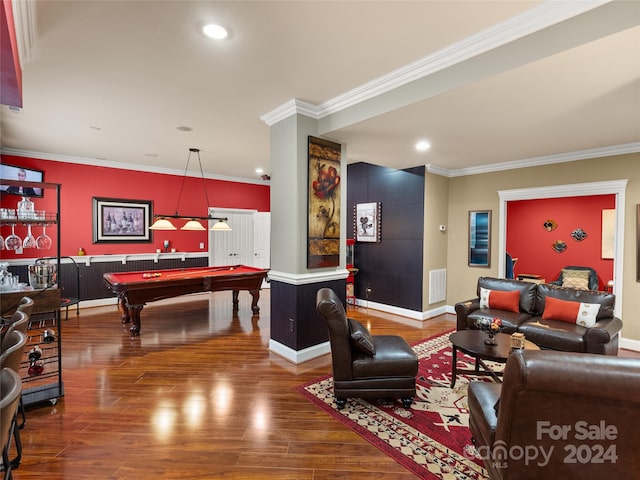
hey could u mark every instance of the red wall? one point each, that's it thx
(531, 243)
(10, 71)
(82, 182)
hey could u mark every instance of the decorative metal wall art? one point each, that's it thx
(578, 234)
(559, 246)
(550, 225)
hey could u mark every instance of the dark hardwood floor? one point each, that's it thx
(197, 395)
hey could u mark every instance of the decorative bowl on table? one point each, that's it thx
(490, 326)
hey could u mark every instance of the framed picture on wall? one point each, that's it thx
(367, 222)
(480, 238)
(323, 220)
(121, 221)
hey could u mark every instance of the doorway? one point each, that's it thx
(616, 187)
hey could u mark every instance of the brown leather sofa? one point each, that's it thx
(551, 334)
(559, 415)
(365, 365)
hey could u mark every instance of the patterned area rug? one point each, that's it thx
(432, 438)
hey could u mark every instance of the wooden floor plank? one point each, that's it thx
(197, 395)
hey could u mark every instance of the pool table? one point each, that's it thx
(135, 289)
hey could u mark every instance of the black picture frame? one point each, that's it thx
(480, 238)
(367, 222)
(117, 220)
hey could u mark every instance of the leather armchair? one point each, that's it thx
(559, 415)
(592, 282)
(364, 365)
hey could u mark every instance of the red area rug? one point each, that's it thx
(432, 438)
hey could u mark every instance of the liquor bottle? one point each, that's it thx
(35, 353)
(36, 368)
(49, 336)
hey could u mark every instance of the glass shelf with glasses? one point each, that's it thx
(8, 216)
(37, 218)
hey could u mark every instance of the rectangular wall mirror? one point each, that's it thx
(480, 238)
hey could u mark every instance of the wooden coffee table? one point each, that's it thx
(472, 343)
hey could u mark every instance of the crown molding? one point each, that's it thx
(551, 159)
(292, 107)
(438, 170)
(623, 149)
(610, 151)
(538, 18)
(121, 166)
(26, 25)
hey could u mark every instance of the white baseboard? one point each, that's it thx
(299, 356)
(404, 312)
(629, 344)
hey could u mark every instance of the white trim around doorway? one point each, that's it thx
(615, 187)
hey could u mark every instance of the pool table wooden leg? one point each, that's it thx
(255, 294)
(235, 299)
(134, 314)
(124, 310)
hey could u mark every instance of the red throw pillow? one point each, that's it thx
(500, 300)
(584, 314)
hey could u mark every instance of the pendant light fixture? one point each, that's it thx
(162, 222)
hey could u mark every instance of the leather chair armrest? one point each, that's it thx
(601, 335)
(463, 309)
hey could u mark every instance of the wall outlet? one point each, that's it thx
(201, 245)
(292, 324)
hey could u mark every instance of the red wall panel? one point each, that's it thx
(10, 70)
(80, 183)
(528, 240)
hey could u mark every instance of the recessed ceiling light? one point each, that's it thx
(259, 170)
(217, 32)
(423, 146)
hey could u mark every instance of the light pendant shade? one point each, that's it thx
(193, 225)
(221, 226)
(162, 224)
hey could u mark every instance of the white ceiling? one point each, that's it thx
(486, 82)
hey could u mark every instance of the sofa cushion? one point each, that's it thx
(361, 338)
(527, 290)
(578, 279)
(394, 358)
(606, 300)
(554, 334)
(482, 400)
(500, 300)
(572, 312)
